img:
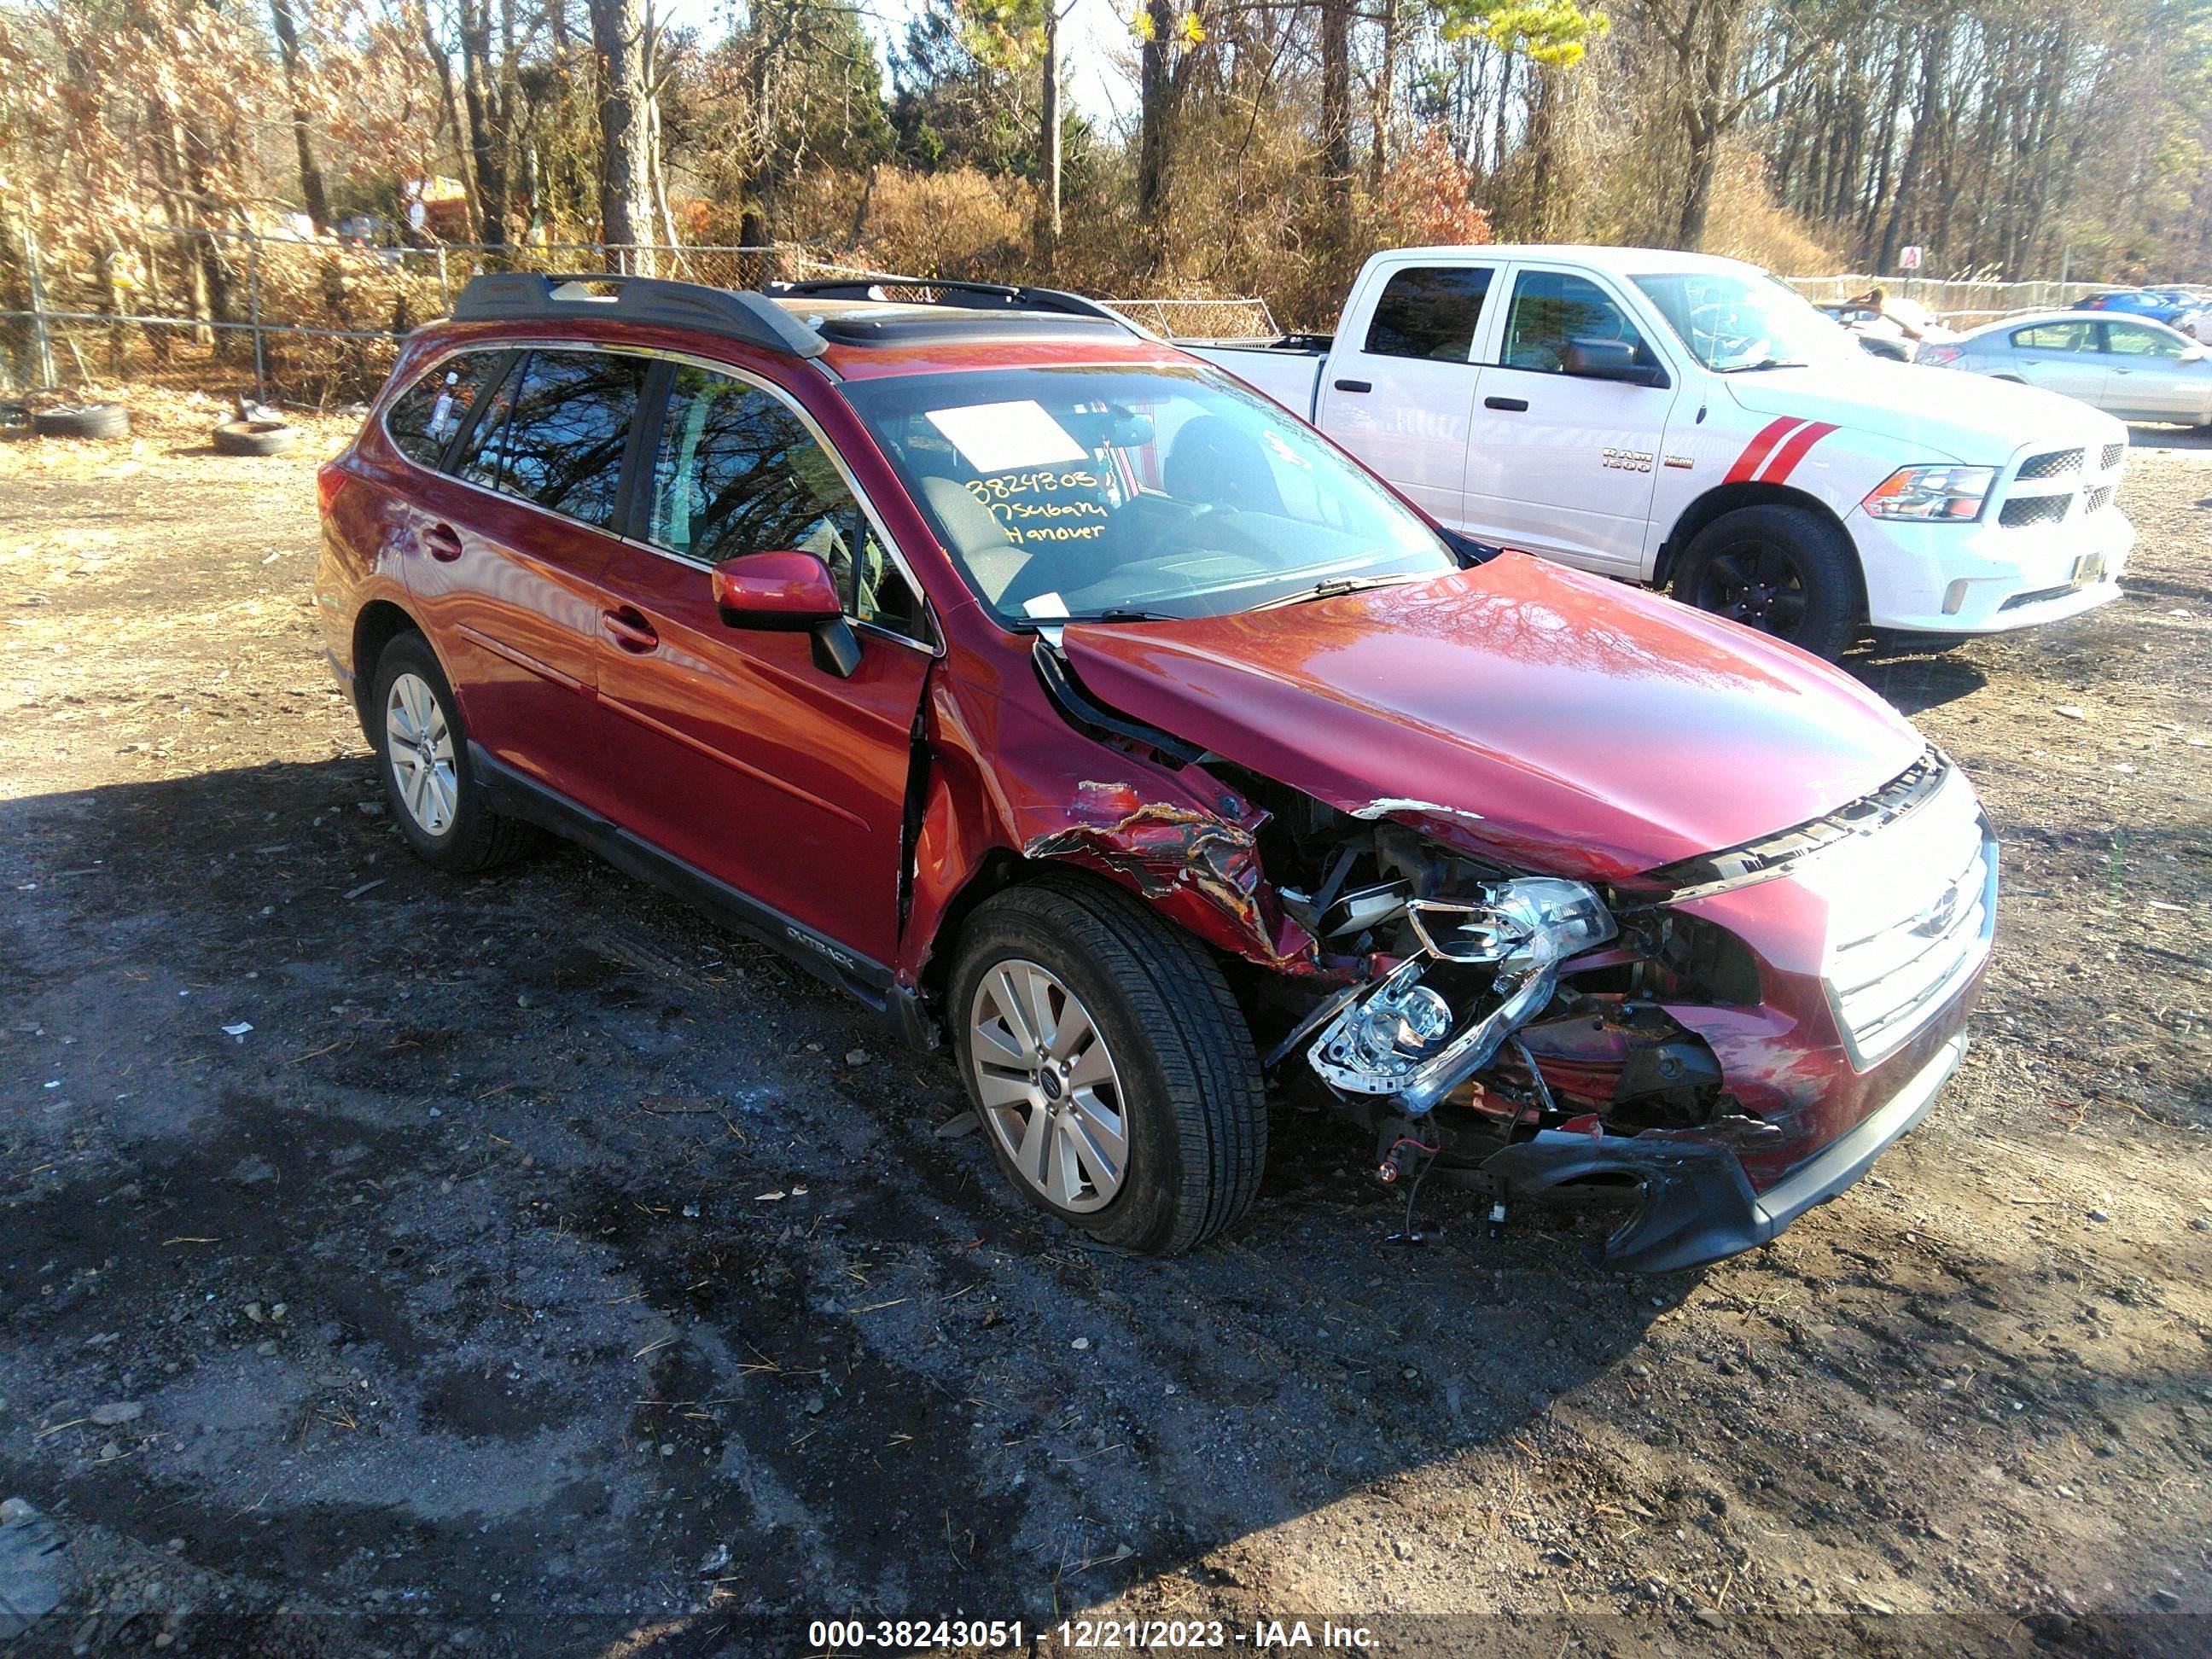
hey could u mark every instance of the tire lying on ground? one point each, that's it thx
(82, 420)
(255, 437)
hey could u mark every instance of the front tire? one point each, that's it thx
(1784, 570)
(1113, 1070)
(423, 751)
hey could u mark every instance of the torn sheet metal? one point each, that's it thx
(1178, 857)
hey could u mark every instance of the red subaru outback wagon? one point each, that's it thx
(1067, 700)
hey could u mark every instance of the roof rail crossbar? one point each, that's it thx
(517, 295)
(946, 291)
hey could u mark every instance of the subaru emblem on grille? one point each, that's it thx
(1931, 922)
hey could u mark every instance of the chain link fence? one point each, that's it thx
(1960, 303)
(320, 321)
(314, 322)
(1200, 320)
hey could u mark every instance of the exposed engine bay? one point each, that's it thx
(1485, 1008)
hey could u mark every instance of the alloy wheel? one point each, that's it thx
(1047, 1085)
(421, 746)
(1758, 584)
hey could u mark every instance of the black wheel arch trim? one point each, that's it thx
(1726, 498)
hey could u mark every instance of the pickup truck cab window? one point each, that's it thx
(1094, 491)
(737, 472)
(1429, 311)
(1553, 309)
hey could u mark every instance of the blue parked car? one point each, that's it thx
(2175, 307)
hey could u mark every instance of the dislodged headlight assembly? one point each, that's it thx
(1932, 495)
(1396, 1038)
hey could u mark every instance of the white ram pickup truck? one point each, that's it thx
(1691, 423)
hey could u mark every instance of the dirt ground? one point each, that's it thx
(545, 1272)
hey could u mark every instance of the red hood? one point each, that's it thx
(1558, 721)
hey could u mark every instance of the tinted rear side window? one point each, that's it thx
(1429, 313)
(425, 417)
(562, 444)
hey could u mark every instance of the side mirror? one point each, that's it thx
(1608, 360)
(784, 591)
(789, 592)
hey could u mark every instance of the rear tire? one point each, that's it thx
(1786, 571)
(423, 751)
(1136, 1007)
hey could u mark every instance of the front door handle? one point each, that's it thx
(1510, 405)
(1355, 385)
(628, 629)
(443, 542)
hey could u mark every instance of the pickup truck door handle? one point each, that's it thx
(1510, 405)
(628, 629)
(442, 542)
(1354, 385)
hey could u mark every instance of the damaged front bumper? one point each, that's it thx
(1696, 1204)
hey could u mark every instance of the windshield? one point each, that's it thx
(1094, 492)
(1732, 322)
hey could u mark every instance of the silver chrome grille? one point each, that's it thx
(1911, 920)
(2096, 500)
(2112, 453)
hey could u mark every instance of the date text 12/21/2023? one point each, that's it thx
(1085, 1635)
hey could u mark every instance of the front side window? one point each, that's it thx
(737, 472)
(2056, 337)
(561, 442)
(423, 419)
(1429, 312)
(1105, 492)
(1552, 310)
(2134, 340)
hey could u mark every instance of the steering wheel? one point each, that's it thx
(1723, 325)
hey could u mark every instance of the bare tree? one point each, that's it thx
(626, 159)
(311, 174)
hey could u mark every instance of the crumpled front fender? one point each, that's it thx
(1202, 870)
(1176, 837)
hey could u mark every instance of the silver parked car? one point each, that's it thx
(2129, 367)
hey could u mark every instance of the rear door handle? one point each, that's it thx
(443, 542)
(1354, 385)
(628, 629)
(1510, 405)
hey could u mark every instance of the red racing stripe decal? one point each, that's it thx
(1756, 451)
(1785, 461)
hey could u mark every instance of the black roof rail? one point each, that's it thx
(945, 291)
(526, 295)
